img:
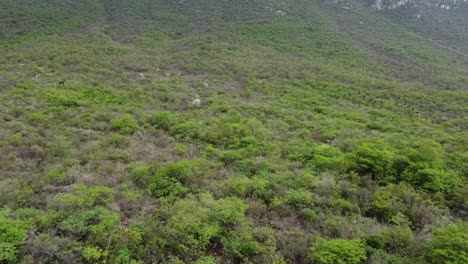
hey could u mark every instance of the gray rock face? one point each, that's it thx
(392, 4)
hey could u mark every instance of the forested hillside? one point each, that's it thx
(233, 131)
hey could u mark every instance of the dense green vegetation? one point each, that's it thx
(324, 135)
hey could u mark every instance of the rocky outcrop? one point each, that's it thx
(392, 4)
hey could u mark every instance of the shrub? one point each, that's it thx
(244, 186)
(400, 203)
(337, 251)
(94, 254)
(193, 174)
(55, 176)
(450, 244)
(240, 248)
(374, 158)
(300, 151)
(188, 130)
(163, 186)
(125, 125)
(163, 120)
(345, 207)
(437, 180)
(398, 239)
(189, 227)
(12, 234)
(140, 174)
(94, 225)
(308, 214)
(327, 157)
(229, 211)
(85, 197)
(234, 131)
(299, 198)
(116, 140)
(9, 191)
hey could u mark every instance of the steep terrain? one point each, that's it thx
(247, 131)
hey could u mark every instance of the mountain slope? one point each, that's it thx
(320, 129)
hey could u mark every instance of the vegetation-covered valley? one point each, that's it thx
(222, 131)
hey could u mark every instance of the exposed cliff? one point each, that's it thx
(392, 4)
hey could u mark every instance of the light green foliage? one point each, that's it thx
(399, 203)
(175, 178)
(126, 125)
(337, 251)
(229, 211)
(438, 180)
(450, 244)
(94, 254)
(327, 120)
(374, 158)
(54, 176)
(299, 198)
(85, 197)
(13, 233)
(244, 186)
(234, 131)
(189, 226)
(140, 174)
(163, 120)
(98, 222)
(328, 157)
(300, 151)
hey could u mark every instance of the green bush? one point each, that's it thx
(116, 140)
(327, 157)
(13, 233)
(240, 248)
(247, 187)
(191, 129)
(55, 176)
(125, 125)
(299, 198)
(93, 225)
(337, 251)
(94, 254)
(140, 174)
(84, 197)
(174, 178)
(229, 211)
(308, 214)
(345, 207)
(163, 120)
(437, 180)
(450, 244)
(189, 227)
(399, 239)
(374, 158)
(401, 204)
(300, 151)
(234, 131)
